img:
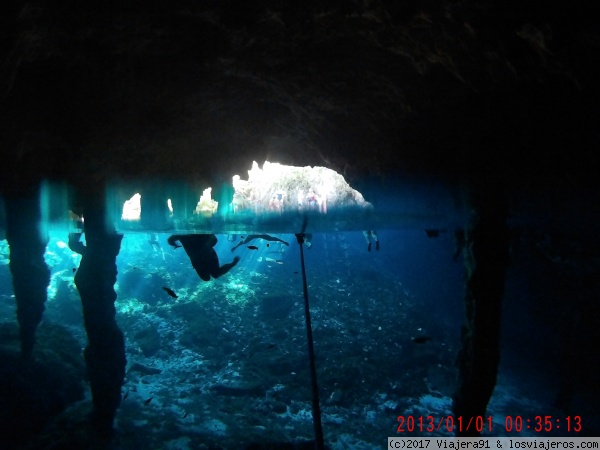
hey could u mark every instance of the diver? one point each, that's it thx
(153, 241)
(266, 237)
(308, 240)
(199, 248)
(371, 234)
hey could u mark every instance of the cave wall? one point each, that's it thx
(197, 90)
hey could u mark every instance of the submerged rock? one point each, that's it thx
(144, 370)
(149, 341)
(35, 391)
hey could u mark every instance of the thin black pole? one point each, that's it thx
(316, 409)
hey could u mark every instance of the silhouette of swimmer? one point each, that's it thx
(251, 237)
(153, 241)
(199, 248)
(371, 234)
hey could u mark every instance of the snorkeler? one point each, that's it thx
(199, 248)
(368, 234)
(153, 241)
(251, 237)
(308, 240)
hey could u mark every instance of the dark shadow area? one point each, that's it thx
(34, 392)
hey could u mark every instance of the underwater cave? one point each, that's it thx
(274, 226)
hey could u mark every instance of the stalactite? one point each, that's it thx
(154, 207)
(30, 274)
(95, 279)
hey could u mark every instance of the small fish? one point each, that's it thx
(170, 291)
(295, 271)
(147, 402)
(126, 395)
(74, 269)
(253, 247)
(185, 415)
(421, 339)
(271, 346)
(432, 233)
(267, 245)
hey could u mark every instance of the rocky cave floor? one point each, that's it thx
(225, 364)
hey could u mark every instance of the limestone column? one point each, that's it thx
(95, 279)
(30, 274)
(155, 214)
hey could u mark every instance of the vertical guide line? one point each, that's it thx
(316, 410)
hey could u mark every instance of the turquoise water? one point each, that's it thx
(225, 363)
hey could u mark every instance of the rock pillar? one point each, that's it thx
(30, 274)
(485, 257)
(95, 279)
(155, 213)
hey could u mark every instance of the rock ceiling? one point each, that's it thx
(198, 89)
